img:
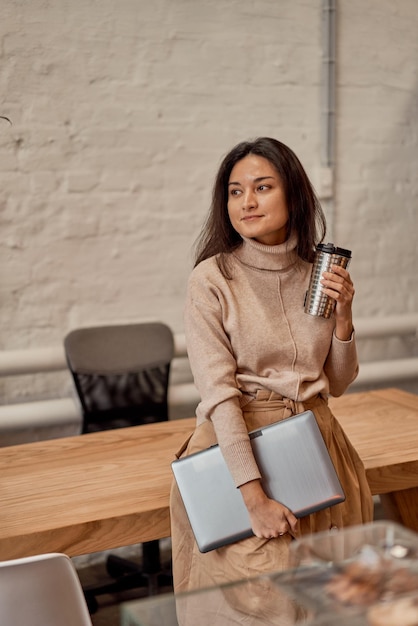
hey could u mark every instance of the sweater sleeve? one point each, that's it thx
(341, 366)
(214, 370)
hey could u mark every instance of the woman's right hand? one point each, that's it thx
(268, 518)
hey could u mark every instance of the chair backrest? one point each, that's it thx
(42, 590)
(121, 373)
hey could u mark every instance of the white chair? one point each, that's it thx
(41, 590)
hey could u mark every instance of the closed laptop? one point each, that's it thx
(296, 469)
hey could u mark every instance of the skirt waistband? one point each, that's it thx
(270, 399)
(265, 394)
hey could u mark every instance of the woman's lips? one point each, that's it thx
(250, 218)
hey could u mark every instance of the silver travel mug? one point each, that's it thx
(326, 254)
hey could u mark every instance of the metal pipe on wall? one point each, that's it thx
(46, 413)
(36, 360)
(325, 184)
(328, 83)
(392, 325)
(52, 359)
(64, 412)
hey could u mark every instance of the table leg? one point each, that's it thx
(402, 507)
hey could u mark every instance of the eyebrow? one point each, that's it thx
(256, 180)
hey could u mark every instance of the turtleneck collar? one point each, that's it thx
(263, 257)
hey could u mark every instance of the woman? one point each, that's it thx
(257, 357)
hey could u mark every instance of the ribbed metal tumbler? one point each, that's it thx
(326, 254)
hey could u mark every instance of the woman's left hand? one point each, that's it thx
(339, 286)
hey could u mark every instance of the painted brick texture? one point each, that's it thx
(121, 113)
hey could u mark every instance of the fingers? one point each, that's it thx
(338, 285)
(293, 523)
(283, 528)
(289, 525)
(275, 520)
(338, 277)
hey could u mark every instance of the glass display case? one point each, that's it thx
(351, 573)
(256, 602)
(360, 576)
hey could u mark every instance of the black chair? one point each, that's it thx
(121, 375)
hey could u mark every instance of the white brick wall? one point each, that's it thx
(121, 113)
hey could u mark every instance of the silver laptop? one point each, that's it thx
(296, 469)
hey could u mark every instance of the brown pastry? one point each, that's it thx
(357, 585)
(401, 581)
(360, 584)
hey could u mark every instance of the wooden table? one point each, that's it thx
(383, 427)
(99, 491)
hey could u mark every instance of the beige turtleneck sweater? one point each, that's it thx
(252, 333)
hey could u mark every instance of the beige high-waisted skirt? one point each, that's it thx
(253, 556)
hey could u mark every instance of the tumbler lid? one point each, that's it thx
(343, 252)
(329, 248)
(326, 247)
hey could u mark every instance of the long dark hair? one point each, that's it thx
(306, 217)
